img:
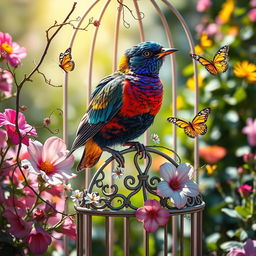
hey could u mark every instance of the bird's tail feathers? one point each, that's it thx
(91, 155)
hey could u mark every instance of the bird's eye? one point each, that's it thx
(147, 54)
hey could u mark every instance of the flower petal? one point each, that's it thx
(150, 225)
(66, 164)
(167, 171)
(250, 247)
(35, 149)
(164, 190)
(152, 205)
(179, 199)
(163, 216)
(191, 188)
(184, 170)
(52, 147)
(141, 214)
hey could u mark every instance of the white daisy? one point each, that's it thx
(92, 198)
(155, 138)
(117, 173)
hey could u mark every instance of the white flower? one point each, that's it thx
(67, 187)
(177, 183)
(92, 198)
(117, 173)
(77, 196)
(155, 138)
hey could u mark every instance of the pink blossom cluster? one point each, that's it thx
(10, 51)
(5, 83)
(252, 12)
(33, 186)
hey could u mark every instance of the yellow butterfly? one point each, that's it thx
(219, 63)
(196, 127)
(66, 62)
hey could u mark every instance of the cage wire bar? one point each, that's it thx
(84, 223)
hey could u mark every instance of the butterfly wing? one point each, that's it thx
(66, 62)
(206, 63)
(220, 59)
(198, 123)
(184, 125)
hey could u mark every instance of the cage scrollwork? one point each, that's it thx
(119, 198)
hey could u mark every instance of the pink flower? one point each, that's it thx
(245, 190)
(252, 15)
(6, 82)
(7, 119)
(68, 228)
(38, 240)
(3, 137)
(253, 3)
(177, 183)
(49, 161)
(212, 154)
(19, 227)
(250, 130)
(152, 215)
(11, 51)
(248, 250)
(248, 157)
(212, 29)
(203, 5)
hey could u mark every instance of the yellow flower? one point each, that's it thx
(205, 41)
(226, 11)
(233, 30)
(246, 70)
(210, 168)
(198, 49)
(191, 82)
(179, 102)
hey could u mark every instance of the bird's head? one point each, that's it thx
(145, 58)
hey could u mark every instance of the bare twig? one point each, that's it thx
(125, 23)
(69, 23)
(47, 81)
(19, 87)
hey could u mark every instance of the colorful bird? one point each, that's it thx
(123, 105)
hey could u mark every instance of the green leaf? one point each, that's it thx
(244, 212)
(230, 244)
(231, 213)
(243, 235)
(240, 94)
(188, 70)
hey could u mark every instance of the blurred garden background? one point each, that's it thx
(227, 152)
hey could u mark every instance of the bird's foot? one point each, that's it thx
(140, 148)
(116, 155)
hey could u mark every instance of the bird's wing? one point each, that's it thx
(104, 82)
(105, 103)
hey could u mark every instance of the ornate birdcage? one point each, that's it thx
(120, 200)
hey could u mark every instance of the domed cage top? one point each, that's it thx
(113, 202)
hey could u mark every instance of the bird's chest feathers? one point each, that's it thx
(141, 98)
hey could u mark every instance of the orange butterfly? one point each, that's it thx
(66, 62)
(196, 127)
(219, 63)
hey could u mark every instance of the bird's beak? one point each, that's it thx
(165, 51)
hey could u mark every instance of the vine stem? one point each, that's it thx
(19, 86)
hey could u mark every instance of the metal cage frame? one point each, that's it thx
(84, 225)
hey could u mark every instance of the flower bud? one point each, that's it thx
(96, 23)
(245, 190)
